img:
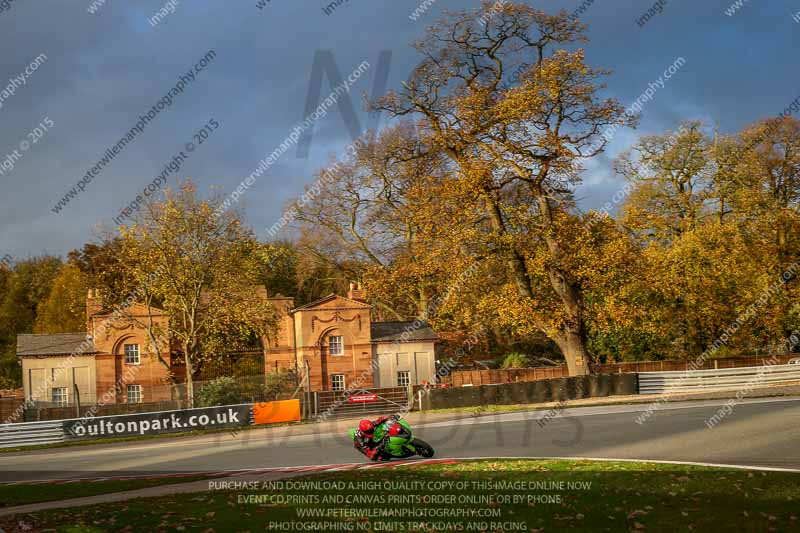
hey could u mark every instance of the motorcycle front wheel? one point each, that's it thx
(422, 448)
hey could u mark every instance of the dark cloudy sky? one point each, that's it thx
(104, 70)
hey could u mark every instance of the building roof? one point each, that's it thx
(349, 301)
(55, 344)
(401, 332)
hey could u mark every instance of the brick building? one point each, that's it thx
(331, 342)
(335, 342)
(109, 363)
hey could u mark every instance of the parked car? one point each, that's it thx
(794, 361)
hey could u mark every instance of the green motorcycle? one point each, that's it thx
(395, 440)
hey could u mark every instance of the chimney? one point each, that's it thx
(94, 303)
(356, 292)
(261, 291)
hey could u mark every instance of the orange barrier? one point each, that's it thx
(274, 412)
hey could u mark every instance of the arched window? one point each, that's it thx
(132, 355)
(335, 344)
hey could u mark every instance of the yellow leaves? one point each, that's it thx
(64, 309)
(201, 267)
(523, 316)
(702, 280)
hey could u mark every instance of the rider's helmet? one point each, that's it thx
(366, 427)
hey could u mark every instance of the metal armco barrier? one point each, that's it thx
(31, 433)
(722, 379)
(152, 423)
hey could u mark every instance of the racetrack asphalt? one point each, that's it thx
(758, 432)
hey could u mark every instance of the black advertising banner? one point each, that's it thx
(158, 422)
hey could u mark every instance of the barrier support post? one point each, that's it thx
(77, 395)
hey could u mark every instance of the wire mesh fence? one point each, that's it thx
(226, 390)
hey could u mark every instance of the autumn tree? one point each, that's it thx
(366, 220)
(672, 178)
(10, 375)
(99, 262)
(768, 179)
(23, 287)
(671, 181)
(712, 214)
(29, 285)
(767, 207)
(64, 309)
(286, 269)
(279, 268)
(317, 275)
(515, 147)
(199, 265)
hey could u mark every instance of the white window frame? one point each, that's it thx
(65, 398)
(333, 382)
(138, 354)
(407, 375)
(339, 344)
(136, 389)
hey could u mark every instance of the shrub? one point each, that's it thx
(268, 387)
(515, 360)
(277, 383)
(221, 391)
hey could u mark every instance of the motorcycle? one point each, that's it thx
(397, 441)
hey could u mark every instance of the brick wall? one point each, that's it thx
(113, 377)
(511, 375)
(488, 377)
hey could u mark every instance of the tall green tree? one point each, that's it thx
(279, 268)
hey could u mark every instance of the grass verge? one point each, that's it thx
(488, 495)
(11, 495)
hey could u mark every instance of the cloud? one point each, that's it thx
(104, 69)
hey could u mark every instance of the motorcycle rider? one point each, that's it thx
(364, 440)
